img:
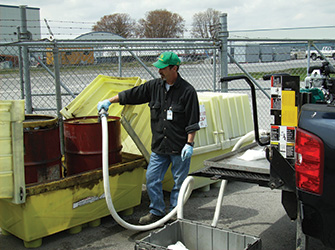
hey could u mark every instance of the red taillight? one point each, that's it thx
(309, 162)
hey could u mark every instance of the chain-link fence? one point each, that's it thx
(32, 70)
(81, 62)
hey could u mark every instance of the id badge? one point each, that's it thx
(169, 115)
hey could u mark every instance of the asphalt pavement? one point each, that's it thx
(247, 208)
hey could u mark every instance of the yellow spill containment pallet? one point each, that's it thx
(72, 201)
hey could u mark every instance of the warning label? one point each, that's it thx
(203, 117)
(283, 139)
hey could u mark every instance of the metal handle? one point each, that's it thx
(253, 99)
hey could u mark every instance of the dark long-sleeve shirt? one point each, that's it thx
(168, 135)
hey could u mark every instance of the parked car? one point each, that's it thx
(327, 51)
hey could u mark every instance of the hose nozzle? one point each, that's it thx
(102, 113)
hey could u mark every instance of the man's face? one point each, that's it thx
(166, 73)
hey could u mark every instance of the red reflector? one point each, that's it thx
(309, 162)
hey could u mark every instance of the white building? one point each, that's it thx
(11, 19)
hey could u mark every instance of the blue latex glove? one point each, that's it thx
(104, 105)
(186, 152)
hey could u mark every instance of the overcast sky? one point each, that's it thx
(242, 14)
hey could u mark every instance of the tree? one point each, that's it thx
(161, 24)
(205, 23)
(120, 23)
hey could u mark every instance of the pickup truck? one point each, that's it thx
(327, 51)
(300, 158)
(314, 165)
(315, 171)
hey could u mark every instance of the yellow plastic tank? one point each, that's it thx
(12, 181)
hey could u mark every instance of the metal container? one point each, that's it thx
(42, 156)
(196, 236)
(83, 143)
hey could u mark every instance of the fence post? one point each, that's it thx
(223, 36)
(120, 63)
(25, 58)
(58, 96)
(20, 64)
(214, 70)
(309, 55)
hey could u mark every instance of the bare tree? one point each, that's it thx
(205, 23)
(120, 23)
(161, 24)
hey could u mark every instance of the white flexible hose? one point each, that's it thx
(184, 193)
(247, 137)
(219, 203)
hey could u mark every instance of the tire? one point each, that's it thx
(314, 57)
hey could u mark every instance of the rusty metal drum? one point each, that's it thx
(83, 143)
(42, 154)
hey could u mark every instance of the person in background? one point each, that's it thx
(174, 110)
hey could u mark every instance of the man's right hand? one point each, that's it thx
(104, 105)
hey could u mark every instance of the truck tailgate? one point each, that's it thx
(230, 166)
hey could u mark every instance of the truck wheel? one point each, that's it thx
(333, 56)
(314, 57)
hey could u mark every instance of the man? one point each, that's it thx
(174, 110)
